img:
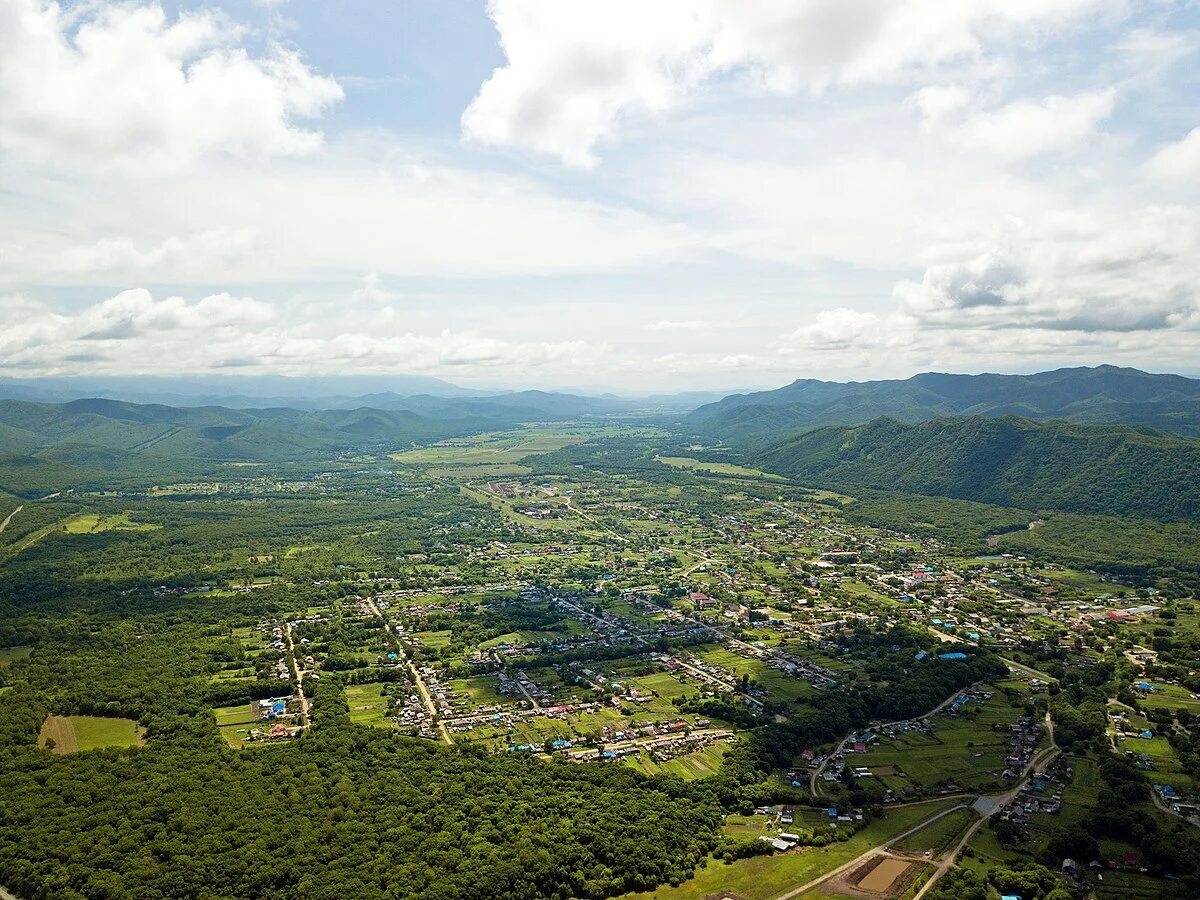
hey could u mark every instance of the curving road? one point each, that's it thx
(812, 780)
(4, 525)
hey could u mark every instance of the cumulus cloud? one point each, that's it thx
(1069, 272)
(107, 84)
(836, 329)
(576, 68)
(134, 332)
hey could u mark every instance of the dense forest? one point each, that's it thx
(1113, 470)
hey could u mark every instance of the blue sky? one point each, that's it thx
(576, 193)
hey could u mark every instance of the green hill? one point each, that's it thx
(1104, 394)
(1008, 461)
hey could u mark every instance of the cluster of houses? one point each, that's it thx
(1024, 737)
(1041, 794)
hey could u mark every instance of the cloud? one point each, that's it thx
(1068, 272)
(362, 207)
(1026, 128)
(688, 325)
(835, 329)
(1021, 129)
(134, 332)
(1177, 162)
(576, 69)
(118, 84)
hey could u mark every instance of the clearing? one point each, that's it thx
(74, 733)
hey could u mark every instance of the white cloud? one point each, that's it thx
(134, 333)
(1027, 128)
(1069, 272)
(938, 102)
(835, 329)
(118, 84)
(359, 208)
(576, 68)
(1178, 162)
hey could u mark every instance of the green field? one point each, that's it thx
(368, 705)
(96, 523)
(717, 468)
(9, 655)
(938, 836)
(698, 764)
(766, 877)
(71, 734)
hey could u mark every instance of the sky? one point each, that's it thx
(637, 195)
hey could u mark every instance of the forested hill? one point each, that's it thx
(1008, 461)
(276, 434)
(213, 431)
(1105, 394)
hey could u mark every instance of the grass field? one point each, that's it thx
(367, 704)
(234, 723)
(765, 877)
(74, 733)
(717, 468)
(963, 749)
(939, 835)
(700, 764)
(9, 655)
(96, 523)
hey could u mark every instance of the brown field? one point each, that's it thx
(60, 730)
(883, 876)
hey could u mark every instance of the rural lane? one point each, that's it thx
(863, 857)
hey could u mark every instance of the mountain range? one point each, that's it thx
(1103, 394)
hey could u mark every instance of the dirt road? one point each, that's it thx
(4, 525)
(303, 700)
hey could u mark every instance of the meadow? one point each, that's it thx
(71, 734)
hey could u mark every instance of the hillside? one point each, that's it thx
(1006, 461)
(1104, 394)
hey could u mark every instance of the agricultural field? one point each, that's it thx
(72, 734)
(765, 878)
(368, 704)
(97, 523)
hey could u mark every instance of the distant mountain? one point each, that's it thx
(237, 391)
(1008, 461)
(525, 405)
(45, 445)
(1100, 394)
(52, 445)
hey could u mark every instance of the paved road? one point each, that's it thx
(537, 707)
(4, 525)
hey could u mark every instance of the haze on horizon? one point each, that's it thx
(691, 194)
